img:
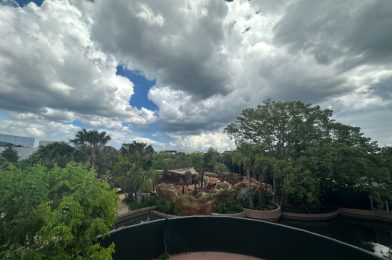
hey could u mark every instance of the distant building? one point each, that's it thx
(16, 140)
(178, 176)
(23, 145)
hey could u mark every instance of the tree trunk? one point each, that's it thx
(249, 187)
(274, 186)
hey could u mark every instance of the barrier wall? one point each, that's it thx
(225, 234)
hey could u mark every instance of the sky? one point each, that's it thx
(174, 73)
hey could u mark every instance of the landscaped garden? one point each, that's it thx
(292, 161)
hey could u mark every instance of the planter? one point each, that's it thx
(241, 214)
(164, 215)
(266, 215)
(377, 215)
(133, 213)
(310, 217)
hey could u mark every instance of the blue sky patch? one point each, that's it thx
(142, 86)
(25, 2)
(4, 115)
(79, 123)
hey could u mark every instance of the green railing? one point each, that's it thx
(225, 234)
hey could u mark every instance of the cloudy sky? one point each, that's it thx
(174, 73)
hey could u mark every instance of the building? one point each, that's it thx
(16, 140)
(23, 145)
(178, 176)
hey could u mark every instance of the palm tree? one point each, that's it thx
(93, 140)
(139, 154)
(246, 155)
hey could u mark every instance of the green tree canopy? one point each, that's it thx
(54, 214)
(57, 153)
(91, 142)
(10, 154)
(139, 154)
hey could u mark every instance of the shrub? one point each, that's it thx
(227, 206)
(167, 207)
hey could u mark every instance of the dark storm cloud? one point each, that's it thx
(179, 49)
(357, 31)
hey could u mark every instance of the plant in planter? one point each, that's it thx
(227, 206)
(263, 207)
(261, 198)
(166, 206)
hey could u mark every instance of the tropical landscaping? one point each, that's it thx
(290, 156)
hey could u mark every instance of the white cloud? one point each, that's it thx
(50, 66)
(201, 142)
(211, 59)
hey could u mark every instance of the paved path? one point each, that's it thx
(122, 206)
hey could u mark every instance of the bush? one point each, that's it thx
(167, 207)
(227, 202)
(148, 201)
(227, 206)
(302, 190)
(262, 199)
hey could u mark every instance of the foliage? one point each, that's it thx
(91, 138)
(211, 158)
(56, 213)
(10, 154)
(57, 153)
(145, 202)
(302, 189)
(139, 154)
(168, 207)
(267, 126)
(91, 142)
(220, 168)
(294, 140)
(227, 203)
(107, 158)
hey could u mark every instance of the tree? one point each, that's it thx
(302, 189)
(93, 140)
(57, 153)
(247, 156)
(107, 158)
(281, 129)
(54, 213)
(211, 158)
(139, 154)
(10, 154)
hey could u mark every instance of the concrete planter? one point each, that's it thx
(377, 215)
(266, 215)
(164, 215)
(241, 214)
(310, 217)
(133, 213)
